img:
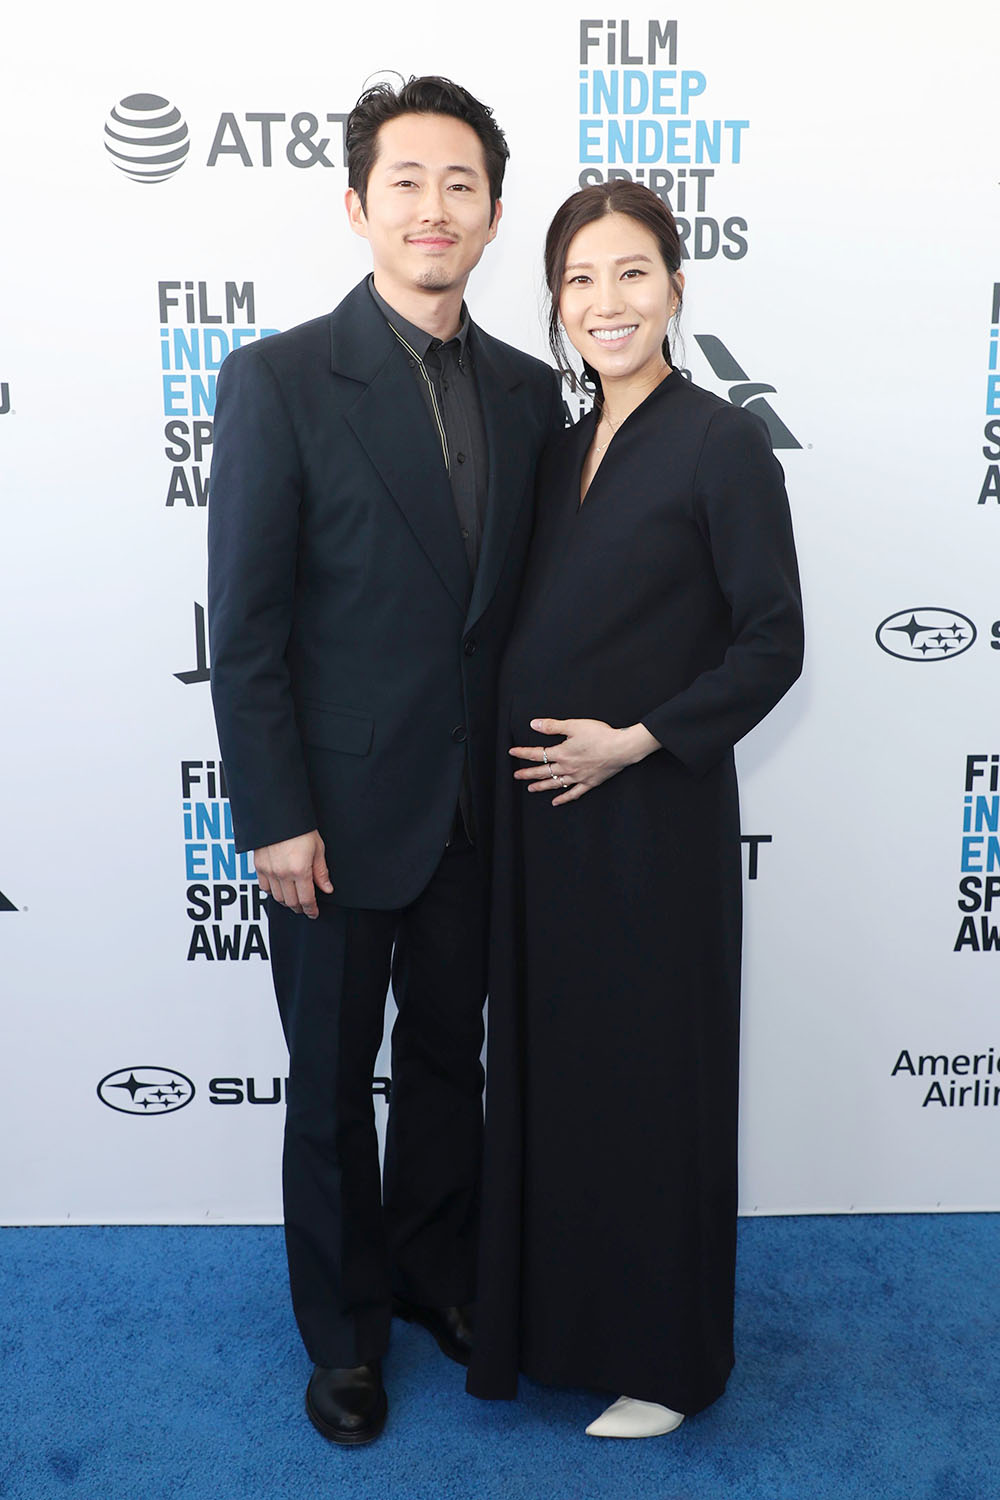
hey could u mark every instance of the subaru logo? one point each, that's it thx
(145, 1091)
(926, 634)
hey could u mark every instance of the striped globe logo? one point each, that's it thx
(146, 137)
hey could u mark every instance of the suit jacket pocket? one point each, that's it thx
(331, 728)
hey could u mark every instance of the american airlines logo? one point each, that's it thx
(743, 391)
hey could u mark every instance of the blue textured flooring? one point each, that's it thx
(154, 1364)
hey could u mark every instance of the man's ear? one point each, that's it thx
(497, 216)
(355, 213)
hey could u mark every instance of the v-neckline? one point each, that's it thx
(668, 380)
(578, 468)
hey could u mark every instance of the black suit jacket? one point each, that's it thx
(353, 657)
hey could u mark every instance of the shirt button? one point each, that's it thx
(470, 647)
(459, 734)
(460, 457)
(411, 363)
(445, 384)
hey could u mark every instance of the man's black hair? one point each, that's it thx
(420, 96)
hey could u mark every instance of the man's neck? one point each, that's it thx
(437, 313)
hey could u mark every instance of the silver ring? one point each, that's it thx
(553, 774)
(564, 781)
(545, 755)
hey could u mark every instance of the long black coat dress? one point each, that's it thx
(669, 597)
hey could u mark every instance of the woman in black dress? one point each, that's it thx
(660, 621)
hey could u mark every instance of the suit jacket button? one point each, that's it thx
(459, 734)
(471, 647)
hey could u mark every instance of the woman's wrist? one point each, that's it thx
(637, 743)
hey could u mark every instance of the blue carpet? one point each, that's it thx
(162, 1364)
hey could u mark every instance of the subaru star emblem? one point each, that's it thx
(145, 1091)
(926, 634)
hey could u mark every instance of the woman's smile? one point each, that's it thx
(614, 335)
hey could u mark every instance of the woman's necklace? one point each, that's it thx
(605, 417)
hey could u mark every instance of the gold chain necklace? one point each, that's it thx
(605, 417)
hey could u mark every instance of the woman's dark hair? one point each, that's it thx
(616, 197)
(419, 96)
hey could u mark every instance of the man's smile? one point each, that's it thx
(431, 241)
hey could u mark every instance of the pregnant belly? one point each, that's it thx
(561, 702)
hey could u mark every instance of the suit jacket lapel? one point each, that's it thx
(507, 477)
(390, 421)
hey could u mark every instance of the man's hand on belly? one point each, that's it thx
(290, 871)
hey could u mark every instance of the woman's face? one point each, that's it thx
(616, 298)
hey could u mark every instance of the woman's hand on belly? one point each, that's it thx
(591, 752)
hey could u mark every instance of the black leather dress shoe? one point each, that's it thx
(347, 1406)
(451, 1326)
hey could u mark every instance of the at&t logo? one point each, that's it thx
(146, 137)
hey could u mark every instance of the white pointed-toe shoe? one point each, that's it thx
(628, 1418)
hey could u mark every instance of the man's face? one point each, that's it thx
(428, 213)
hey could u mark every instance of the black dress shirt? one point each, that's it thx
(447, 381)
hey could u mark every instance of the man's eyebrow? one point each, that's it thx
(404, 166)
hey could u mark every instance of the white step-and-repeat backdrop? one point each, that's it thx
(835, 174)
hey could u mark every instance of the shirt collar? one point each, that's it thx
(418, 338)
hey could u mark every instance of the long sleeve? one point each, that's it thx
(742, 511)
(252, 539)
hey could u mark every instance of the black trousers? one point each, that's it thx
(353, 1241)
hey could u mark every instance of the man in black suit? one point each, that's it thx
(370, 512)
